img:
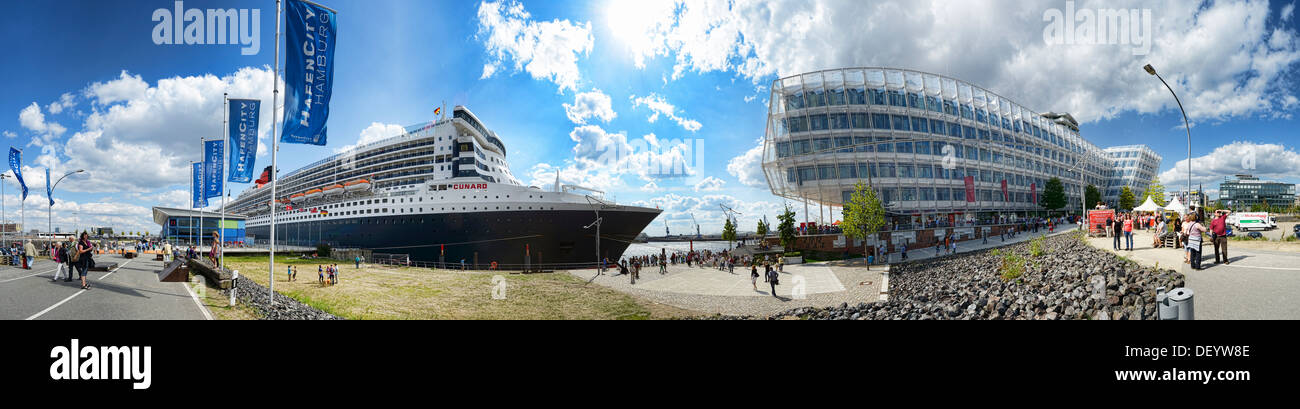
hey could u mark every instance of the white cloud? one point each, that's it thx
(545, 49)
(651, 187)
(748, 167)
(67, 100)
(488, 71)
(591, 104)
(1223, 57)
(1266, 161)
(377, 131)
(125, 88)
(678, 211)
(10, 135)
(709, 184)
(658, 105)
(1287, 11)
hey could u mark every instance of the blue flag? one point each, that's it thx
(49, 193)
(213, 162)
(16, 163)
(308, 71)
(243, 138)
(197, 191)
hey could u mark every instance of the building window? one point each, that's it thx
(900, 123)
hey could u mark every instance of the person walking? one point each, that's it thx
(1194, 231)
(1117, 226)
(58, 254)
(772, 280)
(29, 254)
(1128, 233)
(753, 275)
(1218, 233)
(85, 258)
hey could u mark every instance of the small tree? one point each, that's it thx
(1126, 199)
(1053, 195)
(1155, 191)
(786, 228)
(864, 215)
(761, 230)
(729, 232)
(1091, 195)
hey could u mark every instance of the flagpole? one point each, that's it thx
(225, 153)
(275, 148)
(203, 190)
(191, 203)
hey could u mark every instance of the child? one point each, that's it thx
(320, 277)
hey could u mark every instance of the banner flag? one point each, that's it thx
(213, 165)
(196, 193)
(49, 193)
(1033, 191)
(243, 138)
(970, 189)
(1004, 190)
(308, 72)
(16, 163)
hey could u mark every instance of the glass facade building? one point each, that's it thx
(936, 149)
(1246, 191)
(1133, 166)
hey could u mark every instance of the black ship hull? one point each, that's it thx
(550, 239)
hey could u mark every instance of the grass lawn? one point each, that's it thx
(385, 292)
(219, 304)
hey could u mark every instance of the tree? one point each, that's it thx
(1053, 195)
(1126, 199)
(762, 229)
(1155, 191)
(786, 228)
(864, 215)
(729, 232)
(1091, 195)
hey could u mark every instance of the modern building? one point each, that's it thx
(183, 226)
(938, 150)
(1133, 166)
(1247, 190)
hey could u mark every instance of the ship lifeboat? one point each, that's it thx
(313, 194)
(357, 185)
(333, 190)
(295, 198)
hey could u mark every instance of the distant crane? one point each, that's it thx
(697, 227)
(666, 233)
(731, 215)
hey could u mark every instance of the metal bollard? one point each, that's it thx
(1175, 305)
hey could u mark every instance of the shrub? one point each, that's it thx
(1012, 267)
(1036, 247)
(323, 250)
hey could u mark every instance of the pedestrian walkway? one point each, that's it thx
(1256, 284)
(132, 291)
(978, 244)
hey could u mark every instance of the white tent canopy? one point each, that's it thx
(1148, 206)
(1176, 206)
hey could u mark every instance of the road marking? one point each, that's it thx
(195, 297)
(70, 297)
(115, 269)
(29, 275)
(1266, 268)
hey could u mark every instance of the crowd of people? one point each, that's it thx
(721, 261)
(1185, 231)
(73, 255)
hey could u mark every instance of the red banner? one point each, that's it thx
(1097, 220)
(970, 189)
(1004, 191)
(1033, 192)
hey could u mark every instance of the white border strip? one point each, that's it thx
(195, 297)
(29, 275)
(74, 295)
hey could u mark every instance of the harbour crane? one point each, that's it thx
(730, 215)
(697, 227)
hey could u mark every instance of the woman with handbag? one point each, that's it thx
(84, 258)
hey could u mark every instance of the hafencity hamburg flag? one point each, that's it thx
(196, 191)
(243, 138)
(16, 163)
(212, 164)
(49, 193)
(308, 71)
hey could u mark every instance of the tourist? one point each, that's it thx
(1185, 234)
(69, 248)
(29, 255)
(1194, 231)
(357, 262)
(1117, 227)
(1218, 233)
(954, 246)
(85, 258)
(936, 248)
(753, 275)
(772, 280)
(904, 251)
(1178, 229)
(58, 254)
(1128, 233)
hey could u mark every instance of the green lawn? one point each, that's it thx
(382, 292)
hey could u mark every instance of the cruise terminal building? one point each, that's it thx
(939, 151)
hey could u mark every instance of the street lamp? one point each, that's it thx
(1151, 70)
(49, 215)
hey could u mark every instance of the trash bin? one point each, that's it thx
(1175, 305)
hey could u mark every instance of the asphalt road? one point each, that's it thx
(131, 292)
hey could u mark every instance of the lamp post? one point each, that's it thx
(49, 215)
(4, 228)
(1151, 70)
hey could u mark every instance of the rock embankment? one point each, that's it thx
(1059, 277)
(284, 308)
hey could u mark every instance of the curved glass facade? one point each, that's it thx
(918, 139)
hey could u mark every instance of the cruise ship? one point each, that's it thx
(441, 191)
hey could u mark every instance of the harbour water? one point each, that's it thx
(653, 248)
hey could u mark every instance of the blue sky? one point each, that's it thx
(109, 100)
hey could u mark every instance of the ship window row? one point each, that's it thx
(863, 170)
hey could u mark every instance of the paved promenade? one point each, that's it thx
(132, 291)
(1255, 284)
